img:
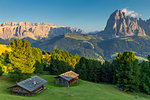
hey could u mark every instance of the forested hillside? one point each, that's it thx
(92, 46)
(125, 71)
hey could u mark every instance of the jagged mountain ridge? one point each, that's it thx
(145, 25)
(9, 30)
(120, 25)
(91, 46)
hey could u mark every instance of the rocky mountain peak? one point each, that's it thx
(120, 25)
(118, 14)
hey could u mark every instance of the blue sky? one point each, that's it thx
(89, 15)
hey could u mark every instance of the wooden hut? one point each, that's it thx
(66, 79)
(29, 87)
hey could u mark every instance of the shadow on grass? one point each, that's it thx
(139, 95)
(136, 94)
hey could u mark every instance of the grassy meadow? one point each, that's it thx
(84, 91)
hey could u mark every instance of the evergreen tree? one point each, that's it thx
(145, 77)
(128, 71)
(21, 57)
(58, 67)
(1, 72)
(48, 52)
(47, 59)
(107, 72)
(17, 75)
(148, 57)
(21, 60)
(37, 54)
(65, 57)
(95, 69)
(5, 57)
(81, 68)
(88, 69)
(43, 52)
(38, 67)
(45, 65)
(116, 64)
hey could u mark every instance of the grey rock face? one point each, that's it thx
(120, 25)
(145, 25)
(35, 31)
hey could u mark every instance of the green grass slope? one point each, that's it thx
(83, 91)
(79, 36)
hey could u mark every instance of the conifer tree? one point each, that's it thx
(128, 71)
(1, 72)
(38, 67)
(95, 69)
(65, 57)
(81, 68)
(57, 67)
(107, 72)
(21, 57)
(48, 52)
(43, 52)
(145, 77)
(116, 64)
(37, 54)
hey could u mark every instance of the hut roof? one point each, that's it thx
(31, 84)
(69, 75)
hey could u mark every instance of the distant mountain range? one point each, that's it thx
(120, 34)
(9, 30)
(118, 25)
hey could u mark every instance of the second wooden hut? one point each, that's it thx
(66, 79)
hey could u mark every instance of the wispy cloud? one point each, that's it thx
(131, 13)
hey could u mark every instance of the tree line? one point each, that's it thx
(24, 60)
(124, 71)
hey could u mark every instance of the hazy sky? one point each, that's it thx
(89, 15)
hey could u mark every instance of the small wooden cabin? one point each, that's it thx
(66, 79)
(29, 87)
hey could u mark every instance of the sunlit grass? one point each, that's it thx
(127, 39)
(83, 91)
(78, 36)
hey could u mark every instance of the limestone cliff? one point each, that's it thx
(35, 31)
(120, 25)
